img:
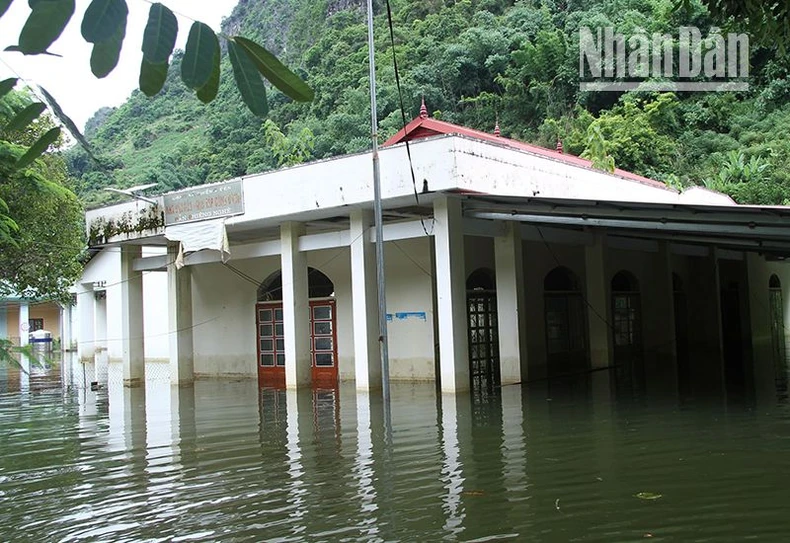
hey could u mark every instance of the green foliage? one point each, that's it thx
(288, 150)
(474, 61)
(41, 232)
(104, 26)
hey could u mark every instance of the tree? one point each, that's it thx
(39, 253)
(769, 22)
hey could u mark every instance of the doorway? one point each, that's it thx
(566, 324)
(482, 330)
(627, 334)
(323, 330)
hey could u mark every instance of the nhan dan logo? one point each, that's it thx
(688, 61)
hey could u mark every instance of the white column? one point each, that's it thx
(132, 342)
(179, 312)
(600, 336)
(3, 321)
(65, 327)
(510, 305)
(100, 321)
(24, 327)
(86, 342)
(367, 365)
(296, 305)
(451, 295)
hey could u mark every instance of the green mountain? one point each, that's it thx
(474, 61)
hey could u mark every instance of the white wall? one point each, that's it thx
(408, 265)
(106, 266)
(224, 311)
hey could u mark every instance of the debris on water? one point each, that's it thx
(647, 496)
(473, 493)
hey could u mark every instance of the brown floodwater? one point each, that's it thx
(227, 461)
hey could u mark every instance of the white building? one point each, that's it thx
(505, 262)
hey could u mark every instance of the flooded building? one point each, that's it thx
(505, 262)
(20, 316)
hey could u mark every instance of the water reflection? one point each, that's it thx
(220, 461)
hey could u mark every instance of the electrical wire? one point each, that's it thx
(403, 113)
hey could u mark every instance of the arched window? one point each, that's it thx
(481, 279)
(778, 345)
(318, 286)
(566, 325)
(561, 279)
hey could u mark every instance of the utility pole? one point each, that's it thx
(378, 218)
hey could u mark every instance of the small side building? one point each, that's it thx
(20, 316)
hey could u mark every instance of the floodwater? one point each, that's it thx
(227, 461)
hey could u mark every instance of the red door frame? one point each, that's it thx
(274, 375)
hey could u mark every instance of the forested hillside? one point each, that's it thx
(473, 61)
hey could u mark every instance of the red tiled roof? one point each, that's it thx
(424, 127)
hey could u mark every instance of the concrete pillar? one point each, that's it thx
(132, 342)
(365, 302)
(65, 326)
(296, 307)
(598, 309)
(86, 344)
(451, 295)
(179, 313)
(24, 326)
(664, 351)
(100, 320)
(719, 335)
(511, 305)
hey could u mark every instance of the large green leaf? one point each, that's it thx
(152, 77)
(160, 34)
(102, 19)
(4, 4)
(248, 80)
(67, 122)
(6, 85)
(208, 92)
(38, 148)
(44, 25)
(198, 62)
(276, 72)
(105, 55)
(22, 119)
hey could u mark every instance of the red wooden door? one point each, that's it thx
(271, 343)
(323, 342)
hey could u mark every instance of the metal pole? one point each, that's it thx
(383, 348)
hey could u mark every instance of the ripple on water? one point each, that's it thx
(229, 462)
